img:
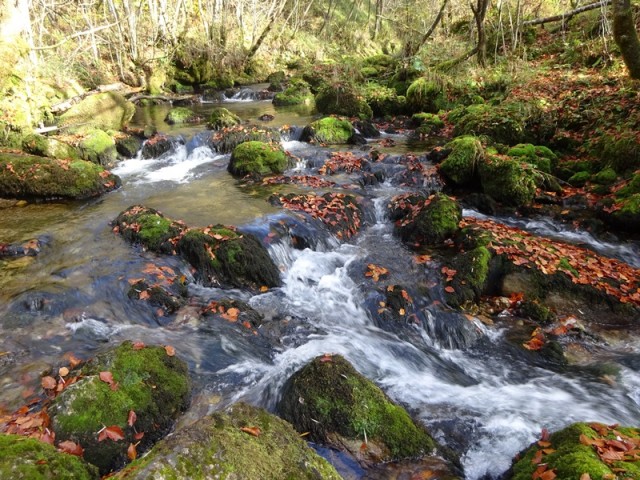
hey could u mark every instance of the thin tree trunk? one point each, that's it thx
(410, 48)
(567, 15)
(626, 37)
(479, 13)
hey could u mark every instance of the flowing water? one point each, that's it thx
(475, 391)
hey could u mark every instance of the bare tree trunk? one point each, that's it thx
(479, 13)
(379, 13)
(626, 37)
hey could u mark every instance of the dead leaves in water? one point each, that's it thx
(375, 272)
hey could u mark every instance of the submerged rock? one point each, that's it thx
(23, 458)
(146, 380)
(240, 443)
(24, 176)
(581, 450)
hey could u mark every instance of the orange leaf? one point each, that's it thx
(48, 383)
(138, 345)
(537, 458)
(170, 350)
(138, 436)
(449, 289)
(254, 431)
(585, 476)
(132, 418)
(107, 377)
(114, 432)
(132, 453)
(144, 295)
(71, 448)
(63, 371)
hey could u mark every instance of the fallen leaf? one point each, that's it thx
(71, 448)
(138, 436)
(114, 432)
(170, 350)
(138, 345)
(132, 453)
(254, 431)
(449, 289)
(48, 383)
(107, 377)
(63, 371)
(585, 476)
(132, 418)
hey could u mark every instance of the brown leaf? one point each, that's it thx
(132, 418)
(138, 436)
(132, 453)
(254, 431)
(449, 289)
(114, 432)
(63, 371)
(71, 448)
(138, 345)
(170, 350)
(107, 377)
(48, 383)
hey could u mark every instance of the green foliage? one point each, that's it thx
(606, 176)
(539, 156)
(502, 124)
(329, 399)
(579, 179)
(153, 384)
(329, 130)
(297, 93)
(620, 152)
(257, 158)
(24, 176)
(425, 95)
(507, 181)
(342, 99)
(217, 447)
(23, 458)
(461, 165)
(384, 101)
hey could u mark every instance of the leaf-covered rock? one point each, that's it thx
(24, 176)
(240, 443)
(23, 458)
(150, 228)
(257, 158)
(145, 380)
(328, 130)
(339, 407)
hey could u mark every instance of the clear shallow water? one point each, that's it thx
(478, 394)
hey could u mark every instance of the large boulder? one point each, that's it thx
(222, 118)
(99, 147)
(106, 111)
(328, 130)
(581, 451)
(257, 158)
(25, 176)
(240, 443)
(503, 124)
(23, 458)
(337, 406)
(132, 394)
(36, 144)
(342, 99)
(508, 180)
(425, 95)
(461, 164)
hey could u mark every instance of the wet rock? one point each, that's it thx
(328, 130)
(179, 115)
(367, 128)
(339, 407)
(470, 278)
(99, 147)
(461, 164)
(127, 145)
(258, 159)
(36, 144)
(241, 443)
(267, 117)
(145, 379)
(23, 176)
(150, 228)
(158, 145)
(105, 111)
(160, 296)
(23, 458)
(30, 248)
(222, 118)
(227, 139)
(581, 450)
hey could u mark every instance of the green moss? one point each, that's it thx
(328, 397)
(428, 123)
(23, 176)
(216, 447)
(620, 152)
(181, 115)
(257, 158)
(23, 458)
(149, 228)
(342, 99)
(461, 165)
(227, 140)
(502, 124)
(153, 384)
(383, 100)
(329, 130)
(105, 111)
(537, 155)
(297, 93)
(98, 147)
(632, 187)
(579, 179)
(222, 118)
(564, 264)
(536, 311)
(606, 176)
(570, 459)
(48, 147)
(472, 269)
(425, 96)
(507, 181)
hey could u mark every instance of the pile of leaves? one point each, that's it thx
(340, 212)
(305, 180)
(581, 266)
(343, 162)
(234, 311)
(161, 286)
(612, 445)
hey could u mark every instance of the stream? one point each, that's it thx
(461, 378)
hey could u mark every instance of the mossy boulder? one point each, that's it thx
(257, 158)
(222, 118)
(539, 156)
(625, 213)
(428, 123)
(297, 93)
(339, 407)
(470, 281)
(620, 152)
(240, 443)
(328, 130)
(23, 458)
(342, 99)
(179, 115)
(462, 164)
(99, 147)
(227, 139)
(36, 144)
(572, 453)
(508, 181)
(24, 176)
(579, 179)
(384, 101)
(425, 95)
(105, 111)
(147, 380)
(502, 124)
(149, 228)
(127, 145)
(426, 221)
(606, 176)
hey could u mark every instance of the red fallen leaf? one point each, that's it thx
(132, 418)
(132, 453)
(47, 437)
(73, 360)
(548, 475)
(327, 357)
(144, 295)
(611, 455)
(537, 458)
(449, 289)
(138, 436)
(170, 350)
(138, 345)
(71, 448)
(254, 431)
(375, 272)
(114, 432)
(48, 383)
(107, 377)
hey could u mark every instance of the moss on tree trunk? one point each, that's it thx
(626, 37)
